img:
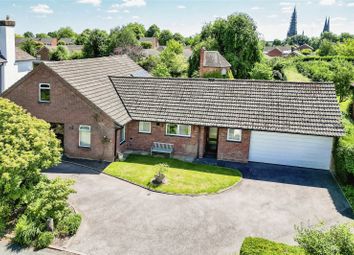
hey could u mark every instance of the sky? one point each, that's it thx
(184, 16)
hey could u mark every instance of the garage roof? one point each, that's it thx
(303, 108)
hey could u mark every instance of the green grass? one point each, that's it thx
(293, 75)
(182, 177)
(261, 246)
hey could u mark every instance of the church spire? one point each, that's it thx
(293, 24)
(326, 27)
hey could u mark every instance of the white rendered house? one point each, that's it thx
(14, 62)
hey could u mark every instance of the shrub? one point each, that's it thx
(26, 231)
(316, 70)
(69, 225)
(260, 246)
(146, 45)
(349, 194)
(261, 71)
(215, 74)
(320, 241)
(44, 240)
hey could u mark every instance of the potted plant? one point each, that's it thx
(160, 177)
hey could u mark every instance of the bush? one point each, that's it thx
(349, 194)
(26, 231)
(316, 70)
(146, 45)
(320, 241)
(69, 225)
(44, 240)
(261, 71)
(260, 246)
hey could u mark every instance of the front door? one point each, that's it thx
(211, 145)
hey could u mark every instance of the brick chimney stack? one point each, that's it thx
(201, 61)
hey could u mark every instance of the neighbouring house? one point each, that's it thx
(278, 51)
(304, 47)
(153, 40)
(187, 51)
(44, 52)
(14, 62)
(67, 41)
(103, 116)
(44, 41)
(212, 61)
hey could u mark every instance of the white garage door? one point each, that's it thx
(290, 149)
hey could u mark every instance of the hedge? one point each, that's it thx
(325, 58)
(260, 246)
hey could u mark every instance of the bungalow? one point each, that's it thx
(102, 114)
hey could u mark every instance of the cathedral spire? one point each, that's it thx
(293, 24)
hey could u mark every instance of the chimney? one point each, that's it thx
(8, 50)
(201, 61)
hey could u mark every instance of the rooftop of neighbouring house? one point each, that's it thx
(214, 59)
(22, 55)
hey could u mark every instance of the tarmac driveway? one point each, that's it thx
(120, 218)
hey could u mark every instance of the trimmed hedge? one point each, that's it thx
(325, 58)
(261, 246)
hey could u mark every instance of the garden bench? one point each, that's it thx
(162, 148)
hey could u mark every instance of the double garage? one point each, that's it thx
(291, 149)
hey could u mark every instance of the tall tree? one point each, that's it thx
(165, 36)
(42, 35)
(153, 31)
(137, 28)
(293, 24)
(97, 44)
(66, 32)
(28, 34)
(83, 37)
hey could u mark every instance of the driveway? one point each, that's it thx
(120, 218)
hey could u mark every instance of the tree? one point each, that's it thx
(329, 36)
(237, 39)
(261, 71)
(153, 31)
(122, 37)
(297, 40)
(342, 77)
(277, 42)
(345, 49)
(172, 57)
(345, 36)
(97, 44)
(42, 35)
(66, 32)
(178, 37)
(28, 34)
(165, 36)
(326, 48)
(137, 28)
(134, 52)
(53, 34)
(60, 53)
(31, 46)
(149, 63)
(83, 37)
(161, 70)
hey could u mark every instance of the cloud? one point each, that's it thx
(338, 19)
(41, 9)
(327, 2)
(285, 3)
(272, 16)
(181, 7)
(350, 4)
(135, 17)
(126, 11)
(287, 9)
(255, 8)
(133, 3)
(93, 2)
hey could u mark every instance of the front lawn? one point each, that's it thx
(182, 177)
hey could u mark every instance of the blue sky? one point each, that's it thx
(183, 16)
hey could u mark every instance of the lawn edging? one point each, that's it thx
(176, 194)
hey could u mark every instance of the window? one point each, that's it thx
(234, 135)
(85, 136)
(44, 92)
(122, 135)
(144, 127)
(178, 130)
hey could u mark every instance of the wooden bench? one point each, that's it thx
(162, 148)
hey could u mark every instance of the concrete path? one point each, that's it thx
(120, 218)
(9, 249)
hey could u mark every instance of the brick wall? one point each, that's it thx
(69, 108)
(43, 53)
(204, 69)
(233, 151)
(183, 146)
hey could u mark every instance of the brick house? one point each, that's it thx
(103, 115)
(278, 51)
(212, 61)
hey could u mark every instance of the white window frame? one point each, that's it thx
(141, 123)
(39, 92)
(231, 139)
(89, 130)
(178, 130)
(122, 135)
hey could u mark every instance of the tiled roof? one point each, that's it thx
(303, 108)
(90, 78)
(214, 59)
(22, 55)
(70, 48)
(148, 39)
